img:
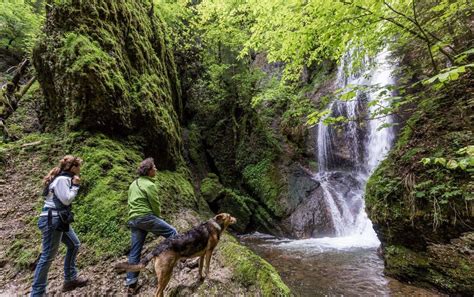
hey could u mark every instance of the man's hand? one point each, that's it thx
(76, 180)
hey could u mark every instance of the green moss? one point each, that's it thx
(211, 188)
(23, 254)
(101, 207)
(107, 66)
(175, 190)
(442, 265)
(265, 181)
(404, 262)
(251, 270)
(238, 206)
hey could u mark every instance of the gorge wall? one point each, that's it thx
(109, 92)
(423, 214)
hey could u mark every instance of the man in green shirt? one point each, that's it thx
(144, 212)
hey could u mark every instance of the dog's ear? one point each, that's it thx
(220, 218)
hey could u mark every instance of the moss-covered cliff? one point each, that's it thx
(253, 160)
(108, 92)
(424, 214)
(107, 66)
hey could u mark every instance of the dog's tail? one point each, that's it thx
(125, 266)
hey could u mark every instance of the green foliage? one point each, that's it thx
(447, 75)
(464, 162)
(264, 179)
(301, 33)
(115, 76)
(19, 26)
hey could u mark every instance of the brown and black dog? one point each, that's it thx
(197, 242)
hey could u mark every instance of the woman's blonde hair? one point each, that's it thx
(66, 163)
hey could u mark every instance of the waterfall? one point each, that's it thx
(380, 141)
(349, 152)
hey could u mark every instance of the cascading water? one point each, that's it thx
(346, 262)
(380, 141)
(354, 152)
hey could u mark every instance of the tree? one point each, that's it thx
(304, 32)
(19, 26)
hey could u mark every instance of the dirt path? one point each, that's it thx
(18, 200)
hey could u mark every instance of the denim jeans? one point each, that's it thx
(51, 239)
(140, 227)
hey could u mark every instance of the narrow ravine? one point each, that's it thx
(345, 262)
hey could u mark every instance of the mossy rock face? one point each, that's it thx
(175, 191)
(211, 188)
(448, 266)
(249, 269)
(238, 206)
(420, 211)
(220, 141)
(248, 212)
(267, 183)
(105, 65)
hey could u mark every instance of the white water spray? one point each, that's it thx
(362, 147)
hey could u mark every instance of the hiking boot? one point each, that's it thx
(75, 283)
(133, 289)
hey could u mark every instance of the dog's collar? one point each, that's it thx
(215, 224)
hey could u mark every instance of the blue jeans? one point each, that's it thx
(140, 227)
(51, 239)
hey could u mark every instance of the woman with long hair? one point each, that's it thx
(60, 188)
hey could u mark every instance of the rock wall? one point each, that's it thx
(106, 66)
(424, 214)
(108, 77)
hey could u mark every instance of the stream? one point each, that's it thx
(329, 267)
(340, 256)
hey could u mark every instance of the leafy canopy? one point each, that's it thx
(19, 25)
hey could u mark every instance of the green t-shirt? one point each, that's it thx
(143, 198)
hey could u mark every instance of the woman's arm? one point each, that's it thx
(65, 191)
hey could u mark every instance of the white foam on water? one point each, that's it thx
(352, 226)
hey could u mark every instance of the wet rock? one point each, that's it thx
(311, 218)
(450, 266)
(301, 184)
